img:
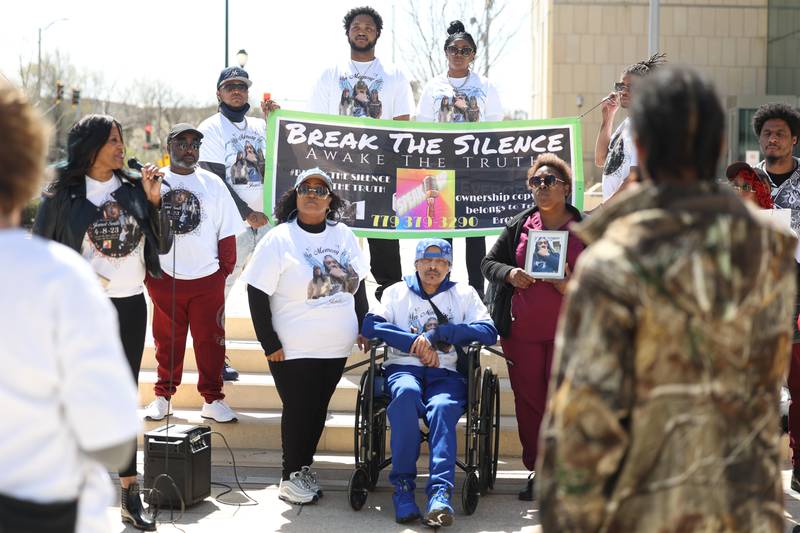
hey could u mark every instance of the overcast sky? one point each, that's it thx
(182, 42)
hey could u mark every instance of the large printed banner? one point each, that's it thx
(411, 179)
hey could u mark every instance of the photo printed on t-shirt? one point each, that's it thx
(460, 106)
(115, 233)
(423, 318)
(183, 209)
(360, 96)
(332, 273)
(244, 157)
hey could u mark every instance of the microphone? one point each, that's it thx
(135, 164)
(431, 189)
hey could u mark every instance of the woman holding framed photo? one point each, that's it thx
(528, 287)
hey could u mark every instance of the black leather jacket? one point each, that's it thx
(65, 214)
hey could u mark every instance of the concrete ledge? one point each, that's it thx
(261, 429)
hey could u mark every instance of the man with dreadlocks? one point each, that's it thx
(615, 154)
(673, 341)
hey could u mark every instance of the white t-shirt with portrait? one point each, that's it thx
(241, 148)
(310, 279)
(114, 242)
(202, 213)
(64, 381)
(363, 89)
(621, 157)
(469, 99)
(401, 306)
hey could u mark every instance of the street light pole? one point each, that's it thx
(39, 60)
(652, 44)
(226, 33)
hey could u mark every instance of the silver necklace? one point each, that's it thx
(359, 75)
(462, 83)
(240, 128)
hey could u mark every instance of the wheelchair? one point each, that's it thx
(482, 433)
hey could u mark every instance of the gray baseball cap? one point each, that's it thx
(315, 172)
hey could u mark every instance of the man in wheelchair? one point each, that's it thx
(426, 319)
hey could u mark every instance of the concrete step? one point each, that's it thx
(240, 327)
(261, 429)
(257, 391)
(246, 356)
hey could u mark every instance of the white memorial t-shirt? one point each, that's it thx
(202, 213)
(65, 384)
(469, 99)
(621, 157)
(114, 242)
(240, 147)
(363, 89)
(401, 306)
(310, 279)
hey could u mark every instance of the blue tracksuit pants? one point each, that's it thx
(440, 397)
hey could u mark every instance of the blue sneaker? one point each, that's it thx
(405, 508)
(440, 513)
(229, 373)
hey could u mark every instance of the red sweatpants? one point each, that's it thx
(199, 305)
(793, 382)
(529, 370)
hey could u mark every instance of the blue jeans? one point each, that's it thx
(440, 397)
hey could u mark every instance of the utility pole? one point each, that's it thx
(652, 43)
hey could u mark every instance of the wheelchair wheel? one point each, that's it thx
(489, 437)
(358, 489)
(470, 493)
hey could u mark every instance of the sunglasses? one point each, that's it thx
(230, 87)
(621, 87)
(454, 50)
(549, 180)
(183, 145)
(319, 192)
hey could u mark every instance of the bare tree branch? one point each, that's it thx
(424, 53)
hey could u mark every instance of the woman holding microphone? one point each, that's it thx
(115, 222)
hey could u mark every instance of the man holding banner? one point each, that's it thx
(365, 87)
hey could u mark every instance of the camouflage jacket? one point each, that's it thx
(672, 344)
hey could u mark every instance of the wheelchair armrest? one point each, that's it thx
(376, 343)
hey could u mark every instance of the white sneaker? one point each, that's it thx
(158, 409)
(296, 490)
(219, 411)
(311, 480)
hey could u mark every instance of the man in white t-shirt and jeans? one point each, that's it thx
(365, 87)
(191, 291)
(233, 149)
(616, 153)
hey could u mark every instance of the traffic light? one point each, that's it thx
(76, 97)
(59, 92)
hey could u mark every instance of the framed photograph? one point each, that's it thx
(546, 255)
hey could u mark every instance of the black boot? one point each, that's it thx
(133, 511)
(526, 494)
(795, 484)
